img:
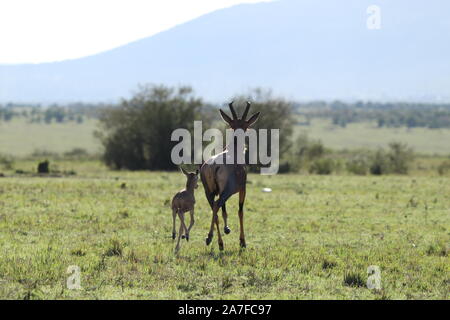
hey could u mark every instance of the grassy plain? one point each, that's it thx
(367, 135)
(312, 237)
(20, 139)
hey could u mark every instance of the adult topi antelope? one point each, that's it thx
(225, 179)
(183, 202)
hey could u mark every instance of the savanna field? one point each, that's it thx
(312, 237)
(98, 137)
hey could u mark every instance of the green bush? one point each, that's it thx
(379, 163)
(43, 167)
(396, 160)
(304, 152)
(6, 162)
(315, 150)
(400, 157)
(322, 166)
(358, 166)
(444, 168)
(285, 167)
(308, 149)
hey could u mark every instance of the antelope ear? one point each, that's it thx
(253, 119)
(224, 116)
(184, 171)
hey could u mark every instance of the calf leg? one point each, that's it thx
(190, 224)
(174, 216)
(177, 248)
(184, 229)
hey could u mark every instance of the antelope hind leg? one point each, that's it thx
(210, 197)
(226, 229)
(241, 218)
(219, 236)
(211, 232)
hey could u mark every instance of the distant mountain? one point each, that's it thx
(303, 49)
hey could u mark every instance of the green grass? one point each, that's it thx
(310, 238)
(20, 139)
(368, 135)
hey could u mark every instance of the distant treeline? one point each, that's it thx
(409, 115)
(136, 133)
(35, 113)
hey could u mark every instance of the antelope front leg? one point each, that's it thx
(241, 218)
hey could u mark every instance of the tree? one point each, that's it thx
(136, 134)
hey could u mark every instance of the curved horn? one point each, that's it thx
(247, 108)
(232, 110)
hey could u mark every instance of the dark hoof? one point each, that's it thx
(221, 246)
(208, 240)
(187, 237)
(243, 245)
(183, 236)
(174, 235)
(226, 230)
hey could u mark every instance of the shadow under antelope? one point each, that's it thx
(223, 179)
(183, 202)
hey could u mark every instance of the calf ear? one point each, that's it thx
(253, 119)
(196, 172)
(224, 116)
(184, 171)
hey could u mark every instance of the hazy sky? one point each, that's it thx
(51, 30)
